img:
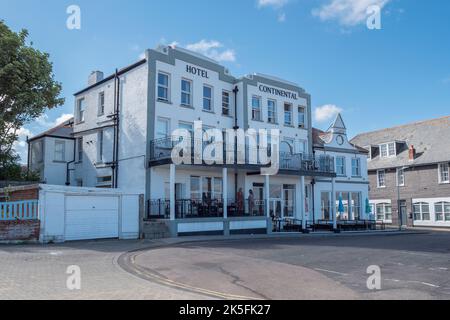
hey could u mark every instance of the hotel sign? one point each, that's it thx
(278, 92)
(197, 71)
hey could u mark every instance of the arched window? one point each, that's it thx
(442, 211)
(421, 211)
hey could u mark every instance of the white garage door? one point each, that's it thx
(92, 217)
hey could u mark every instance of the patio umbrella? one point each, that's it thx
(368, 208)
(341, 208)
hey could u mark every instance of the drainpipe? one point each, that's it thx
(313, 207)
(115, 164)
(69, 163)
(28, 159)
(236, 127)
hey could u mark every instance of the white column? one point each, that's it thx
(302, 203)
(267, 194)
(172, 191)
(333, 202)
(225, 192)
(351, 215)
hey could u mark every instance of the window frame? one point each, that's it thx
(301, 123)
(189, 93)
(165, 87)
(343, 166)
(80, 149)
(272, 118)
(383, 205)
(210, 99)
(397, 173)
(421, 211)
(442, 205)
(62, 152)
(101, 103)
(358, 167)
(290, 112)
(81, 102)
(256, 110)
(379, 185)
(441, 172)
(227, 104)
(385, 150)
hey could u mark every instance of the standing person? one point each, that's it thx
(240, 201)
(251, 202)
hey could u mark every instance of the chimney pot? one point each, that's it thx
(94, 77)
(412, 153)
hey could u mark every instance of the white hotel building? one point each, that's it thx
(122, 131)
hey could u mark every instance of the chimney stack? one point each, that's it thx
(412, 153)
(95, 77)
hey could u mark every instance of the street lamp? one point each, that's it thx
(398, 197)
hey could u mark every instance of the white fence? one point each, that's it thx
(19, 210)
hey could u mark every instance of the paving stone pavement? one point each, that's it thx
(39, 272)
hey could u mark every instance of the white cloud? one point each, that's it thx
(212, 49)
(326, 112)
(45, 124)
(282, 17)
(347, 12)
(272, 3)
(277, 5)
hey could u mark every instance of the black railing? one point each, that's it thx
(213, 208)
(161, 150)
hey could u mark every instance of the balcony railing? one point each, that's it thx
(190, 209)
(161, 151)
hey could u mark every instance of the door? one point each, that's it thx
(288, 201)
(258, 192)
(275, 201)
(91, 217)
(403, 213)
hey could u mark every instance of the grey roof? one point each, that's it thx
(63, 130)
(430, 138)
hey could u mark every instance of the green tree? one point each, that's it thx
(27, 89)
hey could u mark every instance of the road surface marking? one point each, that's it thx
(330, 271)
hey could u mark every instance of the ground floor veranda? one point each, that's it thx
(192, 200)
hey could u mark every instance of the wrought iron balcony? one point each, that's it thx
(161, 153)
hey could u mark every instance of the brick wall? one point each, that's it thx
(20, 193)
(19, 230)
(420, 182)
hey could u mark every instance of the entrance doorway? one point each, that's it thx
(403, 213)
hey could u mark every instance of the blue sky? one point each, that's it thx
(377, 78)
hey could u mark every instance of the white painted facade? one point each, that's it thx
(171, 89)
(50, 153)
(351, 185)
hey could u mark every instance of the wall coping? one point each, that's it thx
(19, 188)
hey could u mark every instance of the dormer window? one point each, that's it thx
(388, 150)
